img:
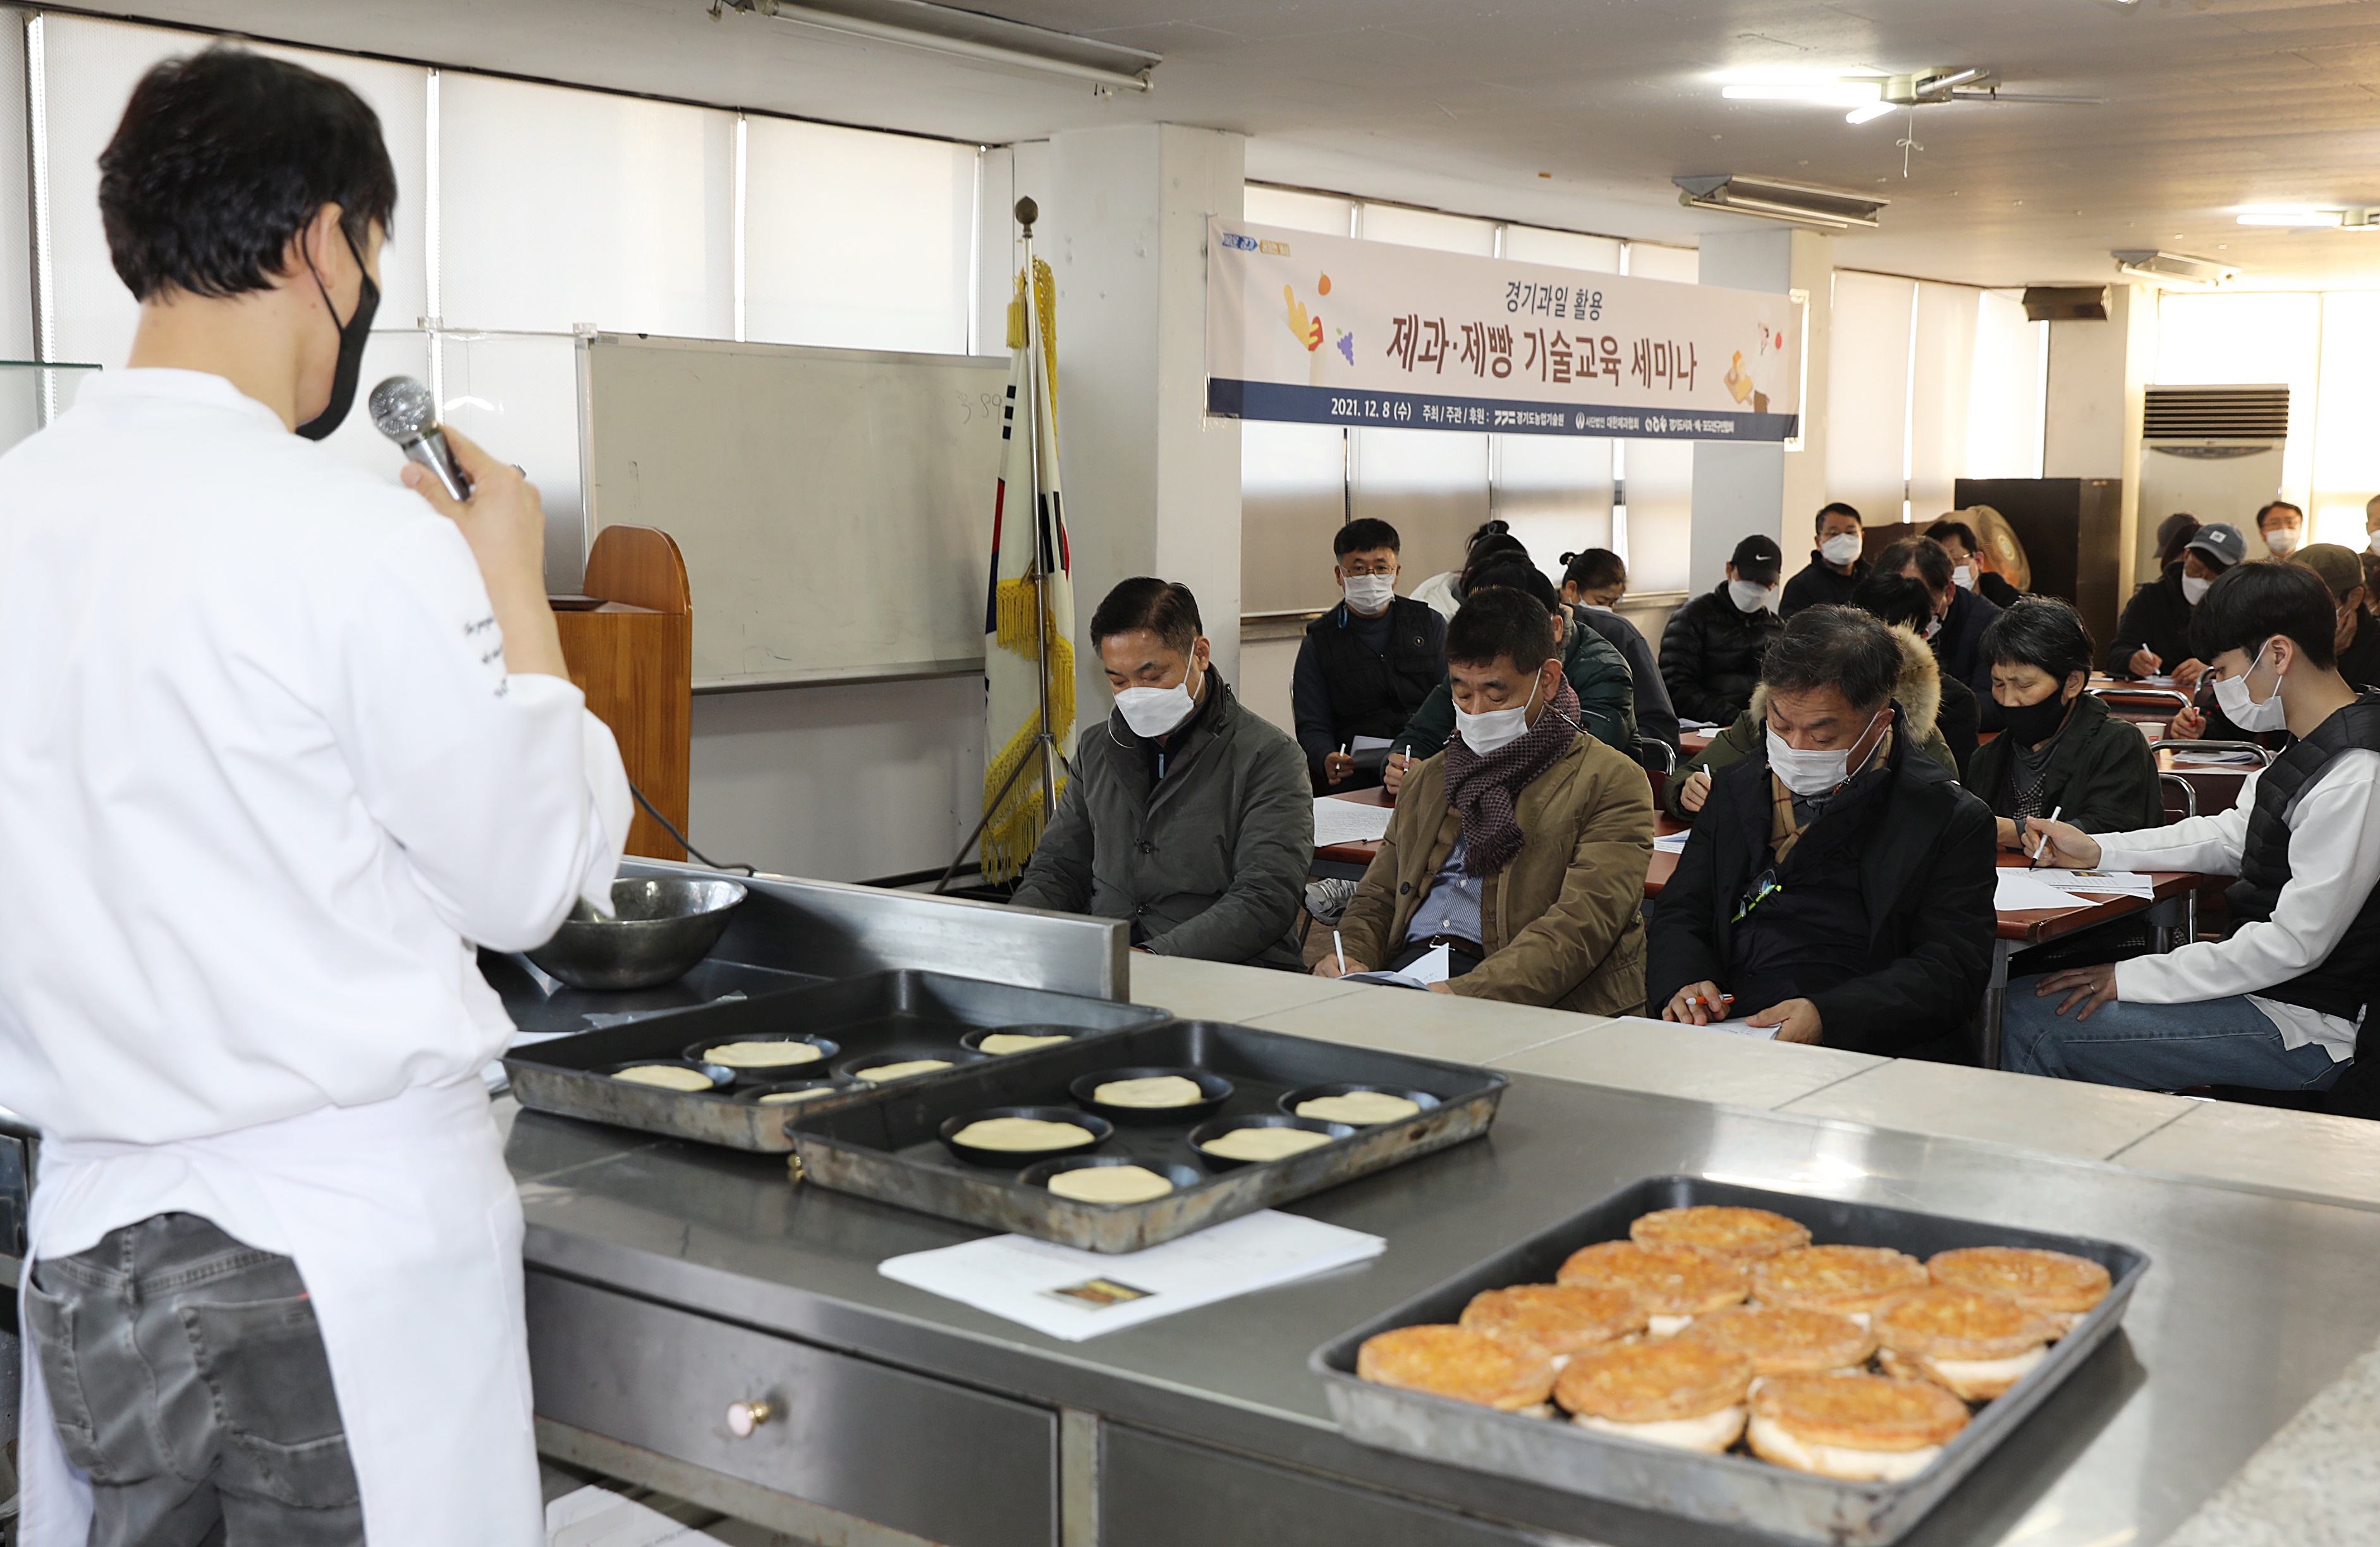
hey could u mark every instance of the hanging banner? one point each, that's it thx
(1331, 330)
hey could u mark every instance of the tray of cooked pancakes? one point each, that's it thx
(734, 1071)
(1806, 1366)
(1119, 1143)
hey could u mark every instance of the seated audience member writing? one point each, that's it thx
(1835, 566)
(2059, 750)
(1492, 543)
(2282, 525)
(1710, 652)
(1594, 670)
(1959, 616)
(2356, 645)
(2275, 1005)
(1365, 665)
(2153, 635)
(1971, 567)
(1837, 885)
(1919, 693)
(1186, 814)
(1592, 583)
(1521, 847)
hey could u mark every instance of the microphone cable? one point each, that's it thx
(670, 828)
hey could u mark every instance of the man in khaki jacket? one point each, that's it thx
(1521, 847)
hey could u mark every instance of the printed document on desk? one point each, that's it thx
(2114, 883)
(2023, 891)
(1338, 821)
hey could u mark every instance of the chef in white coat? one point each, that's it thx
(279, 740)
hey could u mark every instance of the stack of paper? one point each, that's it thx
(1074, 1295)
(1671, 843)
(1338, 821)
(2113, 883)
(2020, 891)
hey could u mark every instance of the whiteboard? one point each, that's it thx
(833, 505)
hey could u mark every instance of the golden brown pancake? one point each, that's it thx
(1781, 1340)
(1861, 1427)
(1847, 1280)
(1559, 1318)
(1974, 1344)
(2046, 1281)
(1667, 1280)
(1454, 1362)
(1653, 1382)
(1739, 1235)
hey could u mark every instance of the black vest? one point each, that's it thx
(1371, 694)
(2341, 985)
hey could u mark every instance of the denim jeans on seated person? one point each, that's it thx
(2157, 1047)
(189, 1379)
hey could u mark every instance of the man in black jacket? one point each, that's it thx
(1959, 617)
(1835, 568)
(1970, 566)
(1837, 885)
(1365, 665)
(2153, 636)
(1710, 652)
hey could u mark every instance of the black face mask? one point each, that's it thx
(354, 333)
(2030, 724)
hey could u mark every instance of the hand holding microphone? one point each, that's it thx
(498, 512)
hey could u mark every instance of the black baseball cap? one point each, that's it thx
(1759, 558)
(2221, 542)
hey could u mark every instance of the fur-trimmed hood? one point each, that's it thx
(1919, 693)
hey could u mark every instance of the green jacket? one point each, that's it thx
(1598, 673)
(1919, 693)
(2102, 777)
(1209, 862)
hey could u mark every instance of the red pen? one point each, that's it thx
(1725, 1000)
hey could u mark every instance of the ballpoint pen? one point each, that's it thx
(2042, 847)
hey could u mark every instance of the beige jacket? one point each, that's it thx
(1563, 922)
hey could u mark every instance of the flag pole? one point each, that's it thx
(1027, 211)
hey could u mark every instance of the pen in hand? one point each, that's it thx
(2042, 848)
(1341, 951)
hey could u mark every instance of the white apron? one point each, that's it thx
(407, 1229)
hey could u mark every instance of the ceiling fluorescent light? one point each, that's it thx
(2291, 215)
(966, 34)
(1774, 199)
(2172, 268)
(1829, 93)
(1869, 113)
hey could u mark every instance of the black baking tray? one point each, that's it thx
(1738, 1490)
(902, 1008)
(886, 1145)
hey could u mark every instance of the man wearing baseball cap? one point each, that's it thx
(2153, 636)
(1711, 651)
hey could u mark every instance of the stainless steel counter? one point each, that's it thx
(1186, 1428)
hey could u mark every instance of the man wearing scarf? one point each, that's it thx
(1521, 847)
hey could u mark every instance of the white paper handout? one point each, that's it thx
(1073, 1295)
(1338, 821)
(2018, 892)
(1671, 843)
(1739, 1026)
(2116, 883)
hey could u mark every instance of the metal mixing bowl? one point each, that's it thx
(662, 928)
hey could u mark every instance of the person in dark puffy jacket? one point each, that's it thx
(1712, 649)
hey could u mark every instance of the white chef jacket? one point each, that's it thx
(264, 780)
(2334, 866)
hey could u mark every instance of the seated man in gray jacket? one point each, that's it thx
(1186, 814)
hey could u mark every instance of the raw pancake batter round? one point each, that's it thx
(1021, 1134)
(1155, 1089)
(1110, 1184)
(667, 1077)
(762, 1054)
(1263, 1144)
(1362, 1107)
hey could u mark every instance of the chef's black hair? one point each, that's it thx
(2250, 603)
(221, 158)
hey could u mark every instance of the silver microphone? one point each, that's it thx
(402, 410)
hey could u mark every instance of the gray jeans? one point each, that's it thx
(189, 1379)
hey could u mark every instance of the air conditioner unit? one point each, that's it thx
(2213, 452)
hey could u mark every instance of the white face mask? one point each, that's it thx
(1498, 728)
(2282, 540)
(2373, 542)
(1368, 594)
(1933, 628)
(1747, 596)
(1963, 577)
(1814, 773)
(2246, 712)
(2193, 590)
(1153, 711)
(1841, 549)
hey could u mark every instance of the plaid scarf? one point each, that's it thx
(1483, 789)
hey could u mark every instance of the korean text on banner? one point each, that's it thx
(1331, 330)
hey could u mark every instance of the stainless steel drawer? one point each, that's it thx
(922, 1455)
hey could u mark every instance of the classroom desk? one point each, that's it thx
(1693, 742)
(2150, 701)
(2218, 783)
(2017, 931)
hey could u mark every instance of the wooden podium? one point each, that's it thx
(632, 657)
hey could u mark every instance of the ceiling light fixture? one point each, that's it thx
(1870, 113)
(966, 34)
(2172, 269)
(1825, 88)
(2294, 216)
(1774, 199)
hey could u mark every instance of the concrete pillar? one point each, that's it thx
(1152, 487)
(1740, 489)
(2098, 382)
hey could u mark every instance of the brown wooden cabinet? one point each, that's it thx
(632, 657)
